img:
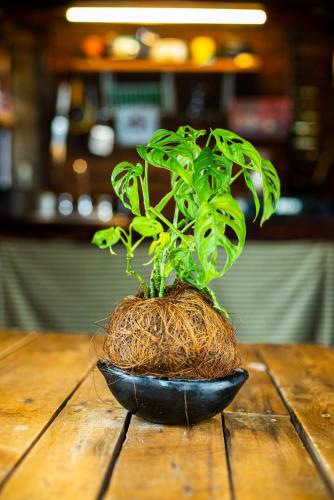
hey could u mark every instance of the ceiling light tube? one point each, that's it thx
(165, 15)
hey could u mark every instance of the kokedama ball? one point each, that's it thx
(179, 335)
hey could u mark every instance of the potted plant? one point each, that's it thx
(170, 352)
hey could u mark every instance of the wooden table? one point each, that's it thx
(62, 435)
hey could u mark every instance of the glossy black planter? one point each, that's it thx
(172, 401)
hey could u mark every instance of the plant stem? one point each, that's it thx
(236, 176)
(136, 245)
(162, 286)
(208, 140)
(176, 216)
(163, 202)
(188, 226)
(130, 272)
(144, 186)
(169, 224)
(152, 288)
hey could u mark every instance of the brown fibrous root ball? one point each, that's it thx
(179, 335)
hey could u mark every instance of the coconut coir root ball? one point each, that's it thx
(179, 335)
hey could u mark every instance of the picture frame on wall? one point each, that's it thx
(136, 124)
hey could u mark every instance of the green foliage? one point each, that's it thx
(207, 218)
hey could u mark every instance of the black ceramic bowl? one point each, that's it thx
(172, 401)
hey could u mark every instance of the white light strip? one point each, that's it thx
(165, 15)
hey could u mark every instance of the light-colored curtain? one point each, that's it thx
(276, 292)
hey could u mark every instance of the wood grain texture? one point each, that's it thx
(258, 395)
(34, 382)
(11, 340)
(171, 462)
(268, 460)
(305, 376)
(70, 459)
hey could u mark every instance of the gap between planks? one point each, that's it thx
(42, 431)
(41, 341)
(301, 431)
(114, 457)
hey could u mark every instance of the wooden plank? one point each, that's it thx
(34, 382)
(164, 462)
(71, 458)
(11, 340)
(258, 395)
(304, 375)
(268, 460)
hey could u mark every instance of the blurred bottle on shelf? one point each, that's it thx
(104, 208)
(65, 204)
(85, 205)
(203, 49)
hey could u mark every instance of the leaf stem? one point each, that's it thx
(163, 202)
(136, 245)
(130, 272)
(169, 224)
(144, 186)
(188, 226)
(236, 176)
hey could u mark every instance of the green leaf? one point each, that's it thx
(271, 189)
(182, 260)
(124, 179)
(243, 153)
(210, 233)
(106, 238)
(146, 226)
(186, 202)
(211, 177)
(237, 149)
(189, 132)
(157, 246)
(160, 158)
(251, 187)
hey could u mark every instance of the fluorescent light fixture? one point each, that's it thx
(165, 15)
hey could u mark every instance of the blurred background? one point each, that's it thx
(76, 97)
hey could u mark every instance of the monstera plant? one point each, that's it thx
(175, 326)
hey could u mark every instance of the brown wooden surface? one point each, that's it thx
(269, 461)
(12, 340)
(304, 375)
(62, 435)
(74, 452)
(34, 382)
(259, 396)
(162, 462)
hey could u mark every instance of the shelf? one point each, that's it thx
(82, 65)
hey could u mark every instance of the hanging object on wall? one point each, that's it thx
(203, 49)
(169, 50)
(136, 124)
(133, 93)
(261, 118)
